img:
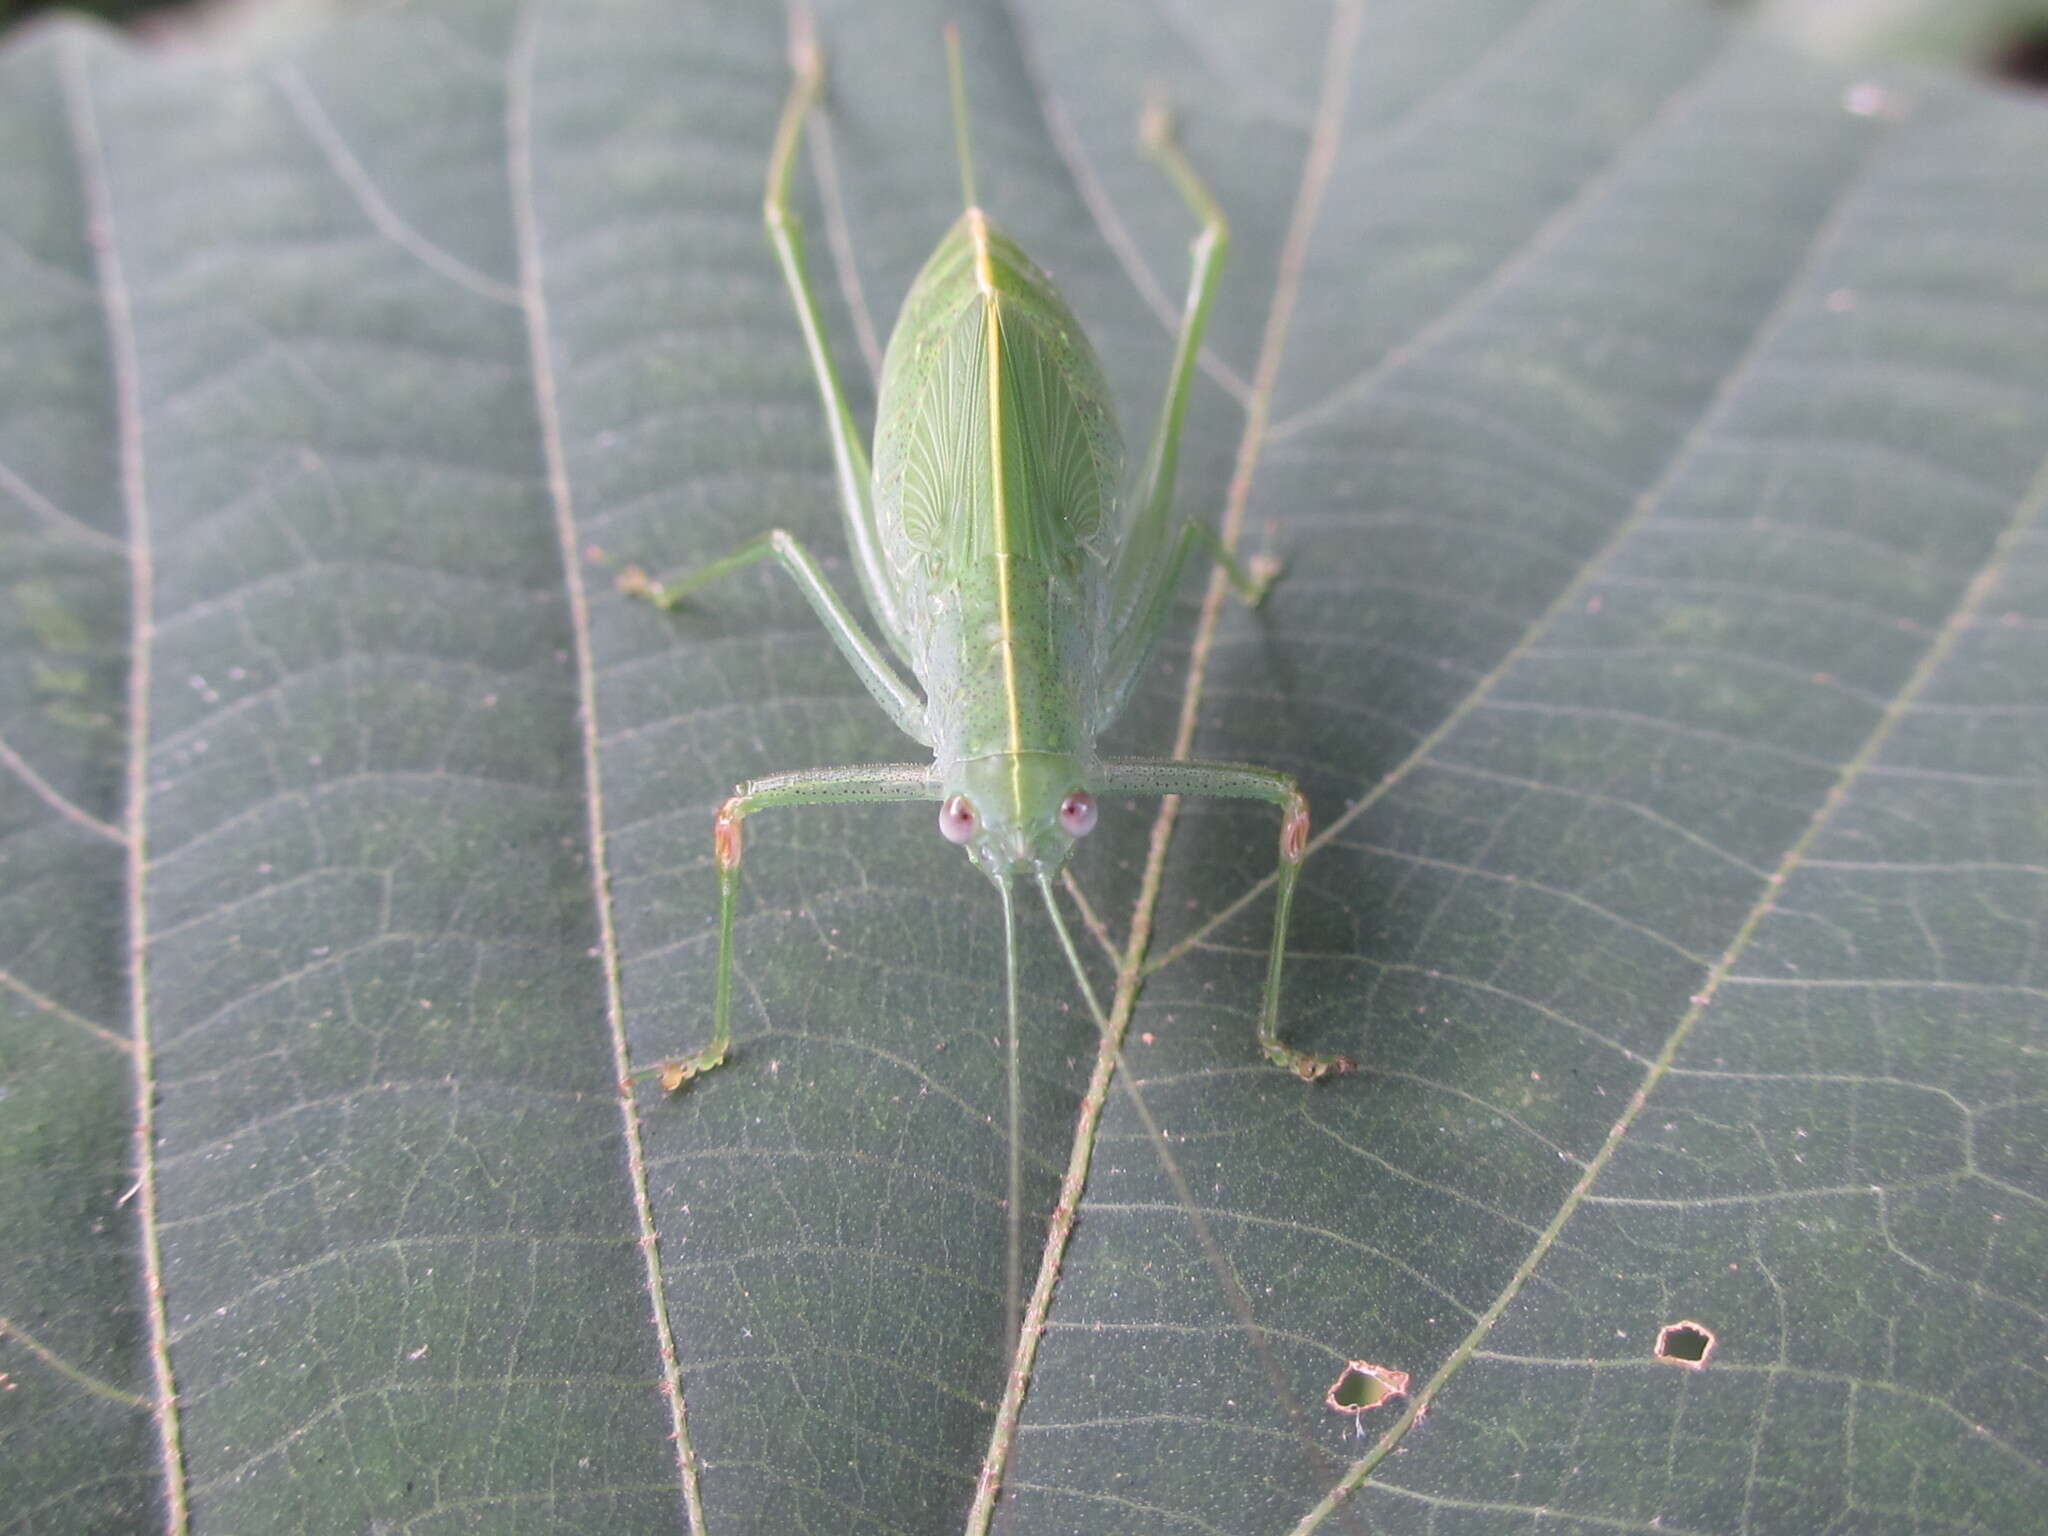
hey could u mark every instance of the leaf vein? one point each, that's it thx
(90, 151)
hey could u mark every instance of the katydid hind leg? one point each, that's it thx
(785, 233)
(1148, 546)
(1153, 552)
(812, 786)
(850, 460)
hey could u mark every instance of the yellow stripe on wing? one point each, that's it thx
(985, 279)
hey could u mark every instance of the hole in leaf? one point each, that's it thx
(1362, 1386)
(1686, 1343)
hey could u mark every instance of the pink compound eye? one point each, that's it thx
(1077, 813)
(957, 820)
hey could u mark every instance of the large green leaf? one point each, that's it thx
(1653, 423)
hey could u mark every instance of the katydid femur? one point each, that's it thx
(999, 559)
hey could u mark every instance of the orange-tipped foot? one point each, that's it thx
(673, 1074)
(1306, 1065)
(726, 837)
(1294, 831)
(1264, 570)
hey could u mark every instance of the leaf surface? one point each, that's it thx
(1652, 423)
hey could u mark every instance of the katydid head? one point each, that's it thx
(1017, 813)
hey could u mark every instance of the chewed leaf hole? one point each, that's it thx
(1362, 1386)
(1688, 1344)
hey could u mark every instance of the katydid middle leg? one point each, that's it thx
(1131, 646)
(881, 680)
(1171, 776)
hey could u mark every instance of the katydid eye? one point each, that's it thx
(957, 821)
(1077, 813)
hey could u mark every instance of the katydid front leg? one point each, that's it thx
(1172, 776)
(810, 786)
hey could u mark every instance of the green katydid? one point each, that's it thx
(1002, 564)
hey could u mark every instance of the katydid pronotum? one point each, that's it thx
(1003, 564)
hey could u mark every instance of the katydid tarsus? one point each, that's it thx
(1006, 565)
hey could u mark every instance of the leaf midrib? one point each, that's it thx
(532, 294)
(124, 366)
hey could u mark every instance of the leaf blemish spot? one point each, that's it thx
(1686, 1343)
(1362, 1386)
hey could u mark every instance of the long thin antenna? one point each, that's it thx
(957, 81)
(1219, 1262)
(1013, 1265)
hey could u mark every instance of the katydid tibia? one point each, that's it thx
(1001, 562)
